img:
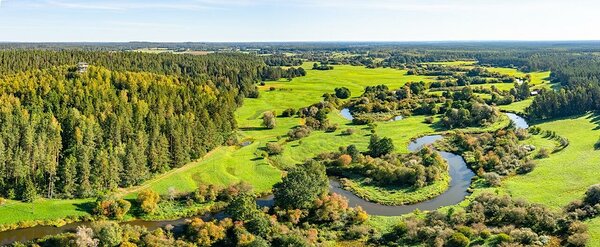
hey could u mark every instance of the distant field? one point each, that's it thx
(165, 50)
(454, 63)
(517, 107)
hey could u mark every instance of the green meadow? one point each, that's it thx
(566, 175)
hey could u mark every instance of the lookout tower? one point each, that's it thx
(82, 67)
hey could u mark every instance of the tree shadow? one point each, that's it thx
(253, 128)
(438, 126)
(595, 119)
(87, 207)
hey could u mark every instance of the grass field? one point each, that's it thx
(566, 175)
(517, 107)
(42, 210)
(396, 195)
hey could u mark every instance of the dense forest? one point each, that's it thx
(69, 134)
(580, 79)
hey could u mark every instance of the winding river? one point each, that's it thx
(460, 181)
(459, 172)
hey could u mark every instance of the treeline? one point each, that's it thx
(65, 134)
(275, 73)
(580, 79)
(282, 60)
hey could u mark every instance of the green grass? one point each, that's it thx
(566, 175)
(394, 195)
(517, 107)
(42, 210)
(540, 79)
(507, 71)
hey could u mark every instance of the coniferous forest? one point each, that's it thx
(66, 134)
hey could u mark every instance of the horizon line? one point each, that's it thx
(318, 41)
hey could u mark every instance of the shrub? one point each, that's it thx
(578, 239)
(361, 215)
(112, 208)
(492, 178)
(274, 148)
(592, 196)
(344, 160)
(342, 93)
(254, 94)
(499, 239)
(148, 201)
(108, 233)
(204, 233)
(290, 112)
(527, 167)
(299, 132)
(205, 193)
(458, 240)
(331, 128)
(268, 120)
(348, 132)
(543, 153)
(429, 120)
(380, 146)
(357, 232)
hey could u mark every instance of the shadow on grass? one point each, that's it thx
(253, 128)
(438, 126)
(87, 207)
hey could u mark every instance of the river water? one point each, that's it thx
(519, 121)
(460, 181)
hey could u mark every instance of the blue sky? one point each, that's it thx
(298, 20)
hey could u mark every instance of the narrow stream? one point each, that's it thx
(519, 121)
(460, 181)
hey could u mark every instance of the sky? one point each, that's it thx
(297, 20)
